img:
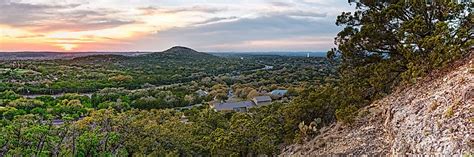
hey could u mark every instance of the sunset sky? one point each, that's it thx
(154, 25)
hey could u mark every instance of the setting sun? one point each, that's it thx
(67, 47)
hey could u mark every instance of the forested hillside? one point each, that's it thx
(432, 117)
(385, 45)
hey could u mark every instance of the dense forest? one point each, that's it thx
(112, 105)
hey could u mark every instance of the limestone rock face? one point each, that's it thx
(435, 116)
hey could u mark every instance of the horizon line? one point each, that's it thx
(160, 51)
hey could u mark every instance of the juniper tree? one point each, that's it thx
(386, 42)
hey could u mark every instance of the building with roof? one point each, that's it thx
(189, 107)
(241, 106)
(279, 92)
(262, 100)
(202, 93)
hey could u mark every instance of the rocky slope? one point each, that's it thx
(433, 117)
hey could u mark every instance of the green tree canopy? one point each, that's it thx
(386, 42)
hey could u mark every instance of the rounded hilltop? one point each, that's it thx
(180, 49)
(180, 52)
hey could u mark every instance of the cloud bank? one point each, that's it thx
(146, 25)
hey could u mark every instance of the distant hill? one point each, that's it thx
(95, 59)
(183, 51)
(58, 55)
(287, 54)
(432, 117)
(174, 54)
(177, 61)
(179, 52)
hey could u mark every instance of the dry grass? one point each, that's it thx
(434, 106)
(449, 112)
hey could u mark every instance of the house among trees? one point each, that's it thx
(262, 100)
(279, 93)
(241, 106)
(202, 93)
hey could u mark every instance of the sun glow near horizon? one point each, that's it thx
(50, 25)
(67, 47)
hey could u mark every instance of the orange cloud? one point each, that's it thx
(103, 25)
(18, 39)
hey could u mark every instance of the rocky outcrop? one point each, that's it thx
(432, 117)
